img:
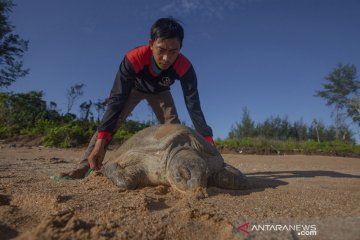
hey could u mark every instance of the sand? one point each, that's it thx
(311, 194)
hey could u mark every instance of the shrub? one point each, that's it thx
(128, 129)
(69, 135)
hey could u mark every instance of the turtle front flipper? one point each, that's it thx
(229, 177)
(124, 178)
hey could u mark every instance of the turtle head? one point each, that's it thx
(187, 171)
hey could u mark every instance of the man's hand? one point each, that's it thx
(97, 155)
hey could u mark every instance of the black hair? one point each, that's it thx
(165, 28)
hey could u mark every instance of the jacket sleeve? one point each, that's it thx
(192, 101)
(120, 92)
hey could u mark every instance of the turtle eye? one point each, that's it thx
(184, 173)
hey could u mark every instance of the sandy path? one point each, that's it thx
(321, 193)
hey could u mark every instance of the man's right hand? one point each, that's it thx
(97, 155)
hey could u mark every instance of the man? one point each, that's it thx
(147, 72)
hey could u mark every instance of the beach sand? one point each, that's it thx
(313, 194)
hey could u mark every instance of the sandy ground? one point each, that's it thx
(317, 193)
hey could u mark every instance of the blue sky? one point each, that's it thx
(267, 55)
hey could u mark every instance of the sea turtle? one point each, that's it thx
(172, 155)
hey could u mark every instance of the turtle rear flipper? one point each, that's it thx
(229, 177)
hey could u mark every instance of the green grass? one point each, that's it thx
(266, 146)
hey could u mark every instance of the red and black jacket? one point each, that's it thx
(138, 70)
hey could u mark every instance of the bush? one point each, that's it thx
(122, 135)
(128, 129)
(5, 132)
(267, 146)
(69, 135)
(42, 127)
(21, 110)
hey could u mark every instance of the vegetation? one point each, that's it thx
(12, 48)
(278, 135)
(73, 94)
(281, 129)
(259, 145)
(342, 92)
(28, 114)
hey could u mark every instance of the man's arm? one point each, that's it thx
(192, 101)
(97, 155)
(119, 94)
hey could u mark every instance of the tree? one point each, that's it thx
(341, 88)
(299, 131)
(21, 110)
(12, 48)
(353, 109)
(244, 129)
(271, 128)
(73, 94)
(52, 112)
(85, 110)
(315, 129)
(100, 108)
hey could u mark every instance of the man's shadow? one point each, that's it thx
(259, 181)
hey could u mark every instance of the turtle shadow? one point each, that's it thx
(301, 174)
(255, 184)
(7, 232)
(259, 181)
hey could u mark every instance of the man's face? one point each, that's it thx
(165, 51)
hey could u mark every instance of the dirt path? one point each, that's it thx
(320, 194)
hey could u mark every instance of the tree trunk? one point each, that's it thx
(337, 122)
(317, 133)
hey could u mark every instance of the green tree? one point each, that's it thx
(353, 109)
(316, 130)
(85, 110)
(52, 112)
(271, 128)
(22, 110)
(12, 48)
(299, 130)
(100, 108)
(73, 94)
(244, 129)
(341, 87)
(284, 131)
